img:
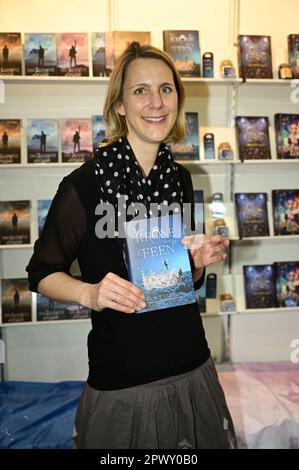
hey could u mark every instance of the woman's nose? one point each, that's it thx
(156, 100)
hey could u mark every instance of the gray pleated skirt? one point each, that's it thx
(186, 411)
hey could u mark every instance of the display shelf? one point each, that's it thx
(251, 311)
(50, 322)
(23, 166)
(272, 161)
(50, 79)
(266, 82)
(268, 238)
(16, 247)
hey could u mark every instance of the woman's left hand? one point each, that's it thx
(205, 251)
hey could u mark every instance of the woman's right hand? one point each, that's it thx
(113, 292)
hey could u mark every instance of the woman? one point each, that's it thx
(152, 382)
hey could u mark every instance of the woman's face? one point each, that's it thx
(149, 101)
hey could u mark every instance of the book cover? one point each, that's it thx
(16, 301)
(259, 283)
(188, 149)
(76, 140)
(255, 56)
(287, 283)
(42, 140)
(98, 47)
(285, 205)
(98, 131)
(158, 263)
(10, 143)
(43, 206)
(40, 54)
(199, 212)
(14, 222)
(183, 46)
(72, 52)
(117, 41)
(293, 52)
(252, 214)
(11, 54)
(253, 137)
(287, 135)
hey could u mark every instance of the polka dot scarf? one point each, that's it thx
(119, 174)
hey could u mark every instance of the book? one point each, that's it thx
(158, 263)
(10, 143)
(188, 149)
(50, 310)
(287, 135)
(76, 140)
(42, 140)
(199, 212)
(15, 223)
(117, 41)
(285, 205)
(98, 47)
(259, 284)
(287, 283)
(40, 54)
(253, 137)
(72, 53)
(16, 301)
(254, 56)
(293, 52)
(11, 54)
(183, 46)
(43, 206)
(98, 131)
(252, 214)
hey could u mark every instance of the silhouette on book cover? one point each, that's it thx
(158, 263)
(285, 203)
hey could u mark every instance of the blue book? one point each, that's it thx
(158, 263)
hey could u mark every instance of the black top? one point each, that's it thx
(124, 349)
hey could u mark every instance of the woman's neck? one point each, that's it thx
(145, 155)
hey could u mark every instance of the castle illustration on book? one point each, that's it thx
(158, 263)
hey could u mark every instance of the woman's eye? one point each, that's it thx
(140, 91)
(166, 90)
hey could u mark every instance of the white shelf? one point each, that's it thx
(271, 237)
(56, 79)
(251, 311)
(48, 322)
(40, 165)
(10, 247)
(272, 161)
(266, 81)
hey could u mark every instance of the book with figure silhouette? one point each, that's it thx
(76, 140)
(11, 57)
(72, 54)
(10, 141)
(98, 45)
(287, 283)
(15, 223)
(40, 54)
(42, 140)
(158, 263)
(15, 300)
(287, 135)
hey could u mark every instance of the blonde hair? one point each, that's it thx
(116, 126)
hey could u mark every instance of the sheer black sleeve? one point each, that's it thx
(62, 233)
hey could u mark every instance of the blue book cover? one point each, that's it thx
(158, 263)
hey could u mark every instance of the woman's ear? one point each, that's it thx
(119, 107)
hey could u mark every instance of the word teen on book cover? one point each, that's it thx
(158, 263)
